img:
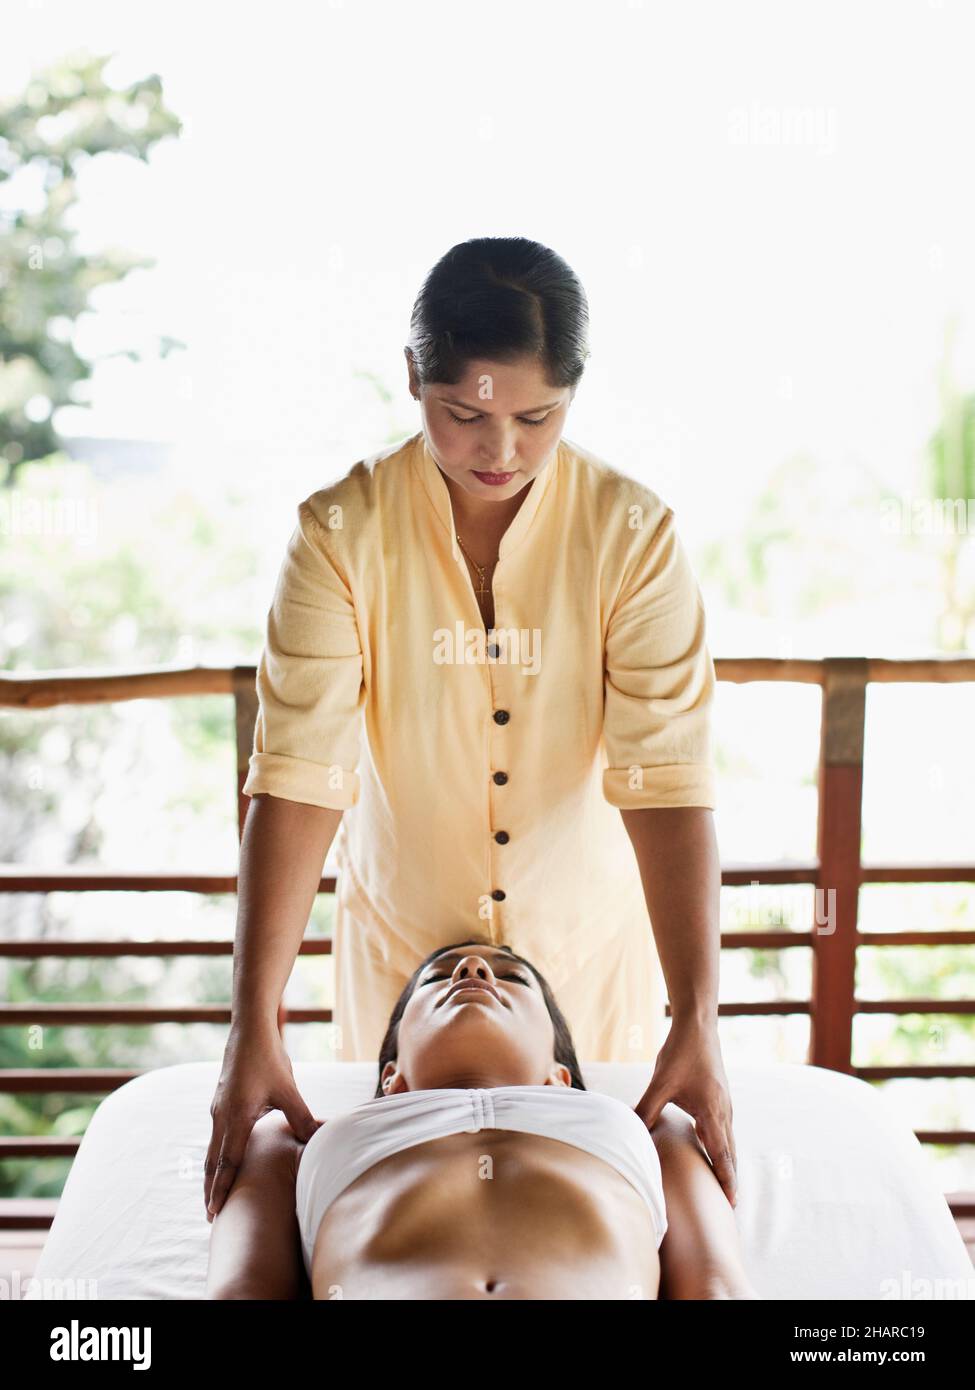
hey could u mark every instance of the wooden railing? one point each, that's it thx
(832, 1005)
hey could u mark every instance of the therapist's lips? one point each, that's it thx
(494, 479)
(479, 985)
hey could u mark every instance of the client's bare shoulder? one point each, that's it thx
(273, 1147)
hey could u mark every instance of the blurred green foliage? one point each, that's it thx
(67, 115)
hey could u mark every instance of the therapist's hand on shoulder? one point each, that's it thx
(690, 1072)
(256, 1077)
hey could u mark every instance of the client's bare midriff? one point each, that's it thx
(489, 1214)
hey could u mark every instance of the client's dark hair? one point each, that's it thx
(564, 1047)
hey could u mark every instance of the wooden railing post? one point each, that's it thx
(834, 933)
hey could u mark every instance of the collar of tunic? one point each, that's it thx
(432, 480)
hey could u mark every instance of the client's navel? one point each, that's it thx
(491, 1285)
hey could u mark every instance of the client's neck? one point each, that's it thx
(476, 1076)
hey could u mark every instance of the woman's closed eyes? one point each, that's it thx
(472, 418)
(511, 976)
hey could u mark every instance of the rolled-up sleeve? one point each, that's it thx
(309, 680)
(659, 683)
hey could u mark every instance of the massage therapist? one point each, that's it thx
(486, 678)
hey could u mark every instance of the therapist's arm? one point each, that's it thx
(677, 851)
(282, 854)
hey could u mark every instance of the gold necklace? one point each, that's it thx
(480, 568)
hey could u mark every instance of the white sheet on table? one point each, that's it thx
(836, 1198)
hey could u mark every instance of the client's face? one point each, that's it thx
(476, 1017)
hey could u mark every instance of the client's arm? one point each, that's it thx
(255, 1244)
(700, 1255)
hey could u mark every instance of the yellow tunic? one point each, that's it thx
(480, 778)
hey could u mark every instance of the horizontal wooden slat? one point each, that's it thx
(44, 690)
(35, 948)
(934, 872)
(786, 871)
(73, 1013)
(764, 940)
(761, 1007)
(69, 1080)
(945, 1136)
(27, 1213)
(908, 1071)
(24, 1080)
(940, 670)
(916, 938)
(70, 1015)
(914, 1006)
(32, 947)
(741, 669)
(38, 1146)
(809, 671)
(318, 946)
(16, 879)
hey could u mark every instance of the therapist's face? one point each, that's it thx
(501, 421)
(476, 1017)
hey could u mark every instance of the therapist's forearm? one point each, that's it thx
(282, 854)
(677, 851)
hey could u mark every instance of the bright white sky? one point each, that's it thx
(770, 206)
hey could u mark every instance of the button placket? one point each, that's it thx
(501, 718)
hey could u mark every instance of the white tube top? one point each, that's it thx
(344, 1147)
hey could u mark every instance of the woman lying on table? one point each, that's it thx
(482, 1168)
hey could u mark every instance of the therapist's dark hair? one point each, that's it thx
(500, 299)
(563, 1048)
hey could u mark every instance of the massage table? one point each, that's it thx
(836, 1197)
